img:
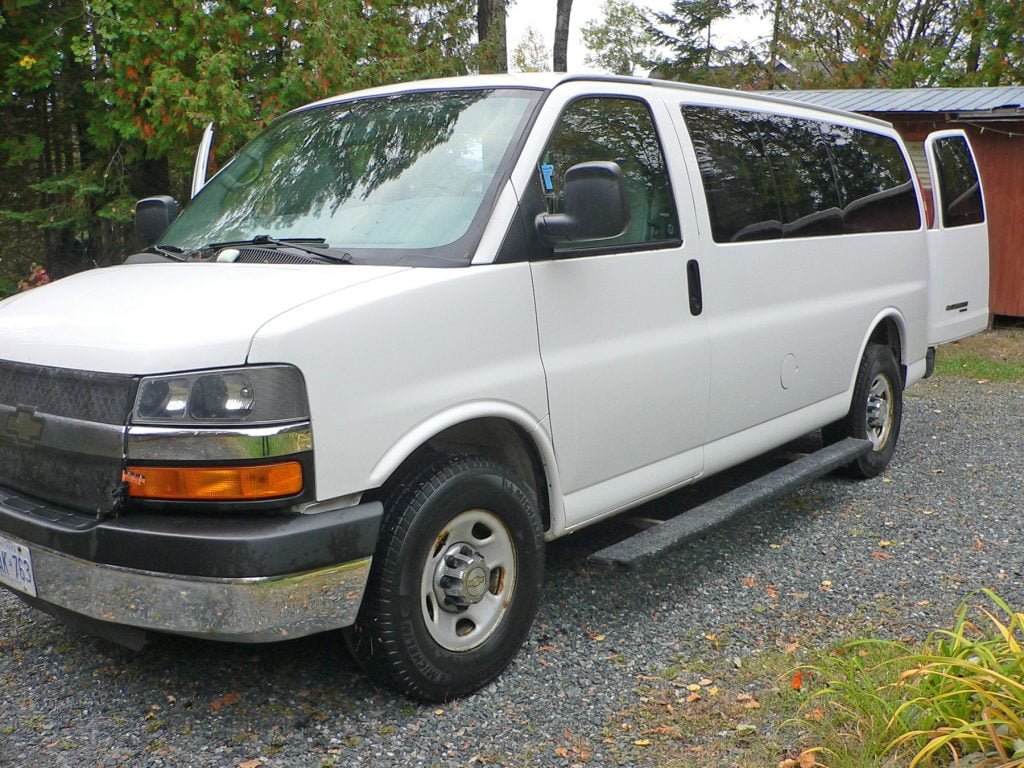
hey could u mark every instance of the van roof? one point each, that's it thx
(549, 80)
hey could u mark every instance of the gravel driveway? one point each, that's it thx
(946, 519)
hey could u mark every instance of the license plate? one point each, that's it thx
(16, 567)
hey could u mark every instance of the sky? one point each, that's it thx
(540, 14)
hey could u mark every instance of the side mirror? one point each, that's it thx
(596, 205)
(153, 215)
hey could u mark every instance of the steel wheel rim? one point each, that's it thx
(463, 629)
(879, 417)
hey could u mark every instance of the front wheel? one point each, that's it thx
(875, 412)
(455, 581)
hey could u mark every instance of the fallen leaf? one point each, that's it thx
(815, 715)
(879, 555)
(643, 742)
(706, 681)
(789, 762)
(545, 648)
(772, 592)
(797, 681)
(746, 729)
(664, 730)
(748, 581)
(251, 763)
(713, 690)
(224, 701)
(885, 543)
(562, 751)
(984, 381)
(693, 697)
(978, 545)
(826, 585)
(693, 687)
(807, 759)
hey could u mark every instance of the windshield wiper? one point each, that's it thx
(298, 243)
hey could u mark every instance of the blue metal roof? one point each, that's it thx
(878, 100)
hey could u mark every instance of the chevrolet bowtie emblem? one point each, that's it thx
(24, 424)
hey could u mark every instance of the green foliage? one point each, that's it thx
(532, 53)
(694, 55)
(105, 100)
(621, 42)
(902, 43)
(957, 699)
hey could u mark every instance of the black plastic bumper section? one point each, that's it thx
(217, 545)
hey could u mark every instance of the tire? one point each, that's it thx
(455, 580)
(875, 412)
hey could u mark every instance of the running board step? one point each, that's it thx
(695, 522)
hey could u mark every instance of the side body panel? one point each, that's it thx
(788, 319)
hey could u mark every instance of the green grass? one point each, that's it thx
(996, 355)
(977, 367)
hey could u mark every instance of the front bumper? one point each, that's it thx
(251, 579)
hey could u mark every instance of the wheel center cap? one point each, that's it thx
(462, 578)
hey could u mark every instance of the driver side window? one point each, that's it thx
(620, 130)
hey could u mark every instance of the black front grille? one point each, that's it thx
(44, 465)
(103, 397)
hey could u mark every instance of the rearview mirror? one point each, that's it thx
(153, 215)
(595, 206)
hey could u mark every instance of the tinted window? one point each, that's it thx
(622, 131)
(958, 183)
(875, 183)
(771, 176)
(805, 183)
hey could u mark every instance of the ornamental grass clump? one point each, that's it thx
(956, 700)
(965, 695)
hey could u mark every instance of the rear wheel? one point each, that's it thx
(455, 580)
(875, 412)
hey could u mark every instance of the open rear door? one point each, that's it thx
(957, 242)
(202, 160)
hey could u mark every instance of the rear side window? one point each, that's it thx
(771, 176)
(737, 177)
(804, 180)
(874, 181)
(959, 185)
(620, 130)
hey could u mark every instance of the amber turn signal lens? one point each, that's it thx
(266, 481)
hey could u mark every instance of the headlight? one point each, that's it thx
(269, 394)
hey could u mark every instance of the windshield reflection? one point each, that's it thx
(398, 173)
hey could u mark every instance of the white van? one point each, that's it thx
(408, 334)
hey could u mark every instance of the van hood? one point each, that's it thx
(154, 318)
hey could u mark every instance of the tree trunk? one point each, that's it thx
(490, 28)
(561, 46)
(773, 62)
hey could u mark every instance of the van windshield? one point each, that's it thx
(387, 180)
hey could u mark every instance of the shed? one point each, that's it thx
(994, 121)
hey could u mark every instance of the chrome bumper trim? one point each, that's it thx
(251, 610)
(218, 443)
